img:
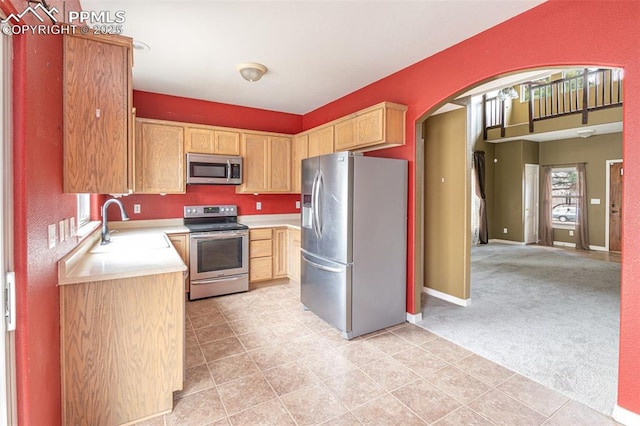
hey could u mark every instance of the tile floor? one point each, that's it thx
(257, 358)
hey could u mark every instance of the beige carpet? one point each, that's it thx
(549, 314)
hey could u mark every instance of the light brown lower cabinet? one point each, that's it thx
(122, 348)
(181, 244)
(280, 253)
(293, 256)
(260, 254)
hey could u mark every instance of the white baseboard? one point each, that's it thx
(563, 244)
(598, 248)
(626, 417)
(446, 297)
(414, 318)
(496, 240)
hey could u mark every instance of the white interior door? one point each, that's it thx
(531, 203)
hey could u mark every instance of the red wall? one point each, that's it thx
(39, 201)
(558, 33)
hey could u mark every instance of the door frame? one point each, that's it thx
(536, 213)
(607, 199)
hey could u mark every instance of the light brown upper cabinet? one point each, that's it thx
(299, 151)
(97, 114)
(209, 141)
(266, 163)
(376, 127)
(159, 158)
(321, 141)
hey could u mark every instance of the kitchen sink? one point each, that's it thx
(124, 243)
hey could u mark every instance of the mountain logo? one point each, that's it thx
(39, 11)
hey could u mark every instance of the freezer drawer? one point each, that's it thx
(326, 290)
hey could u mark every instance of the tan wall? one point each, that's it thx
(594, 151)
(447, 210)
(508, 199)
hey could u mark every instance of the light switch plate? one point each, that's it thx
(595, 201)
(52, 235)
(297, 204)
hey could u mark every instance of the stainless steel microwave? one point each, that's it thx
(210, 169)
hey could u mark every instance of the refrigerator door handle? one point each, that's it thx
(320, 199)
(314, 210)
(322, 267)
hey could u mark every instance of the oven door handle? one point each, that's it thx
(215, 280)
(218, 235)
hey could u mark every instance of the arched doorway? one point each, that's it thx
(448, 260)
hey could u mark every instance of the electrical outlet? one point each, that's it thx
(136, 208)
(258, 205)
(297, 204)
(61, 230)
(504, 230)
(571, 233)
(52, 235)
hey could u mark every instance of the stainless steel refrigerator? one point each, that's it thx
(354, 241)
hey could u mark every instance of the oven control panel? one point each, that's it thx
(210, 211)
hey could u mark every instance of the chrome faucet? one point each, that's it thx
(106, 237)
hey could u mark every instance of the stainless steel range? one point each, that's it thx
(219, 251)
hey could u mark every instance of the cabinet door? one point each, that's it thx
(294, 255)
(279, 164)
(255, 156)
(181, 244)
(280, 252)
(199, 140)
(160, 159)
(345, 134)
(299, 151)
(321, 141)
(227, 143)
(369, 127)
(97, 115)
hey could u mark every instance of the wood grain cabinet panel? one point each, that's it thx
(210, 141)
(159, 158)
(260, 254)
(293, 256)
(266, 164)
(280, 253)
(97, 114)
(122, 348)
(181, 244)
(299, 151)
(321, 141)
(377, 127)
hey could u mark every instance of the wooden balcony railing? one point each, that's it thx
(592, 90)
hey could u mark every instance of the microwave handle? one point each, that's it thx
(228, 170)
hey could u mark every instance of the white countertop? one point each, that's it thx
(133, 252)
(271, 220)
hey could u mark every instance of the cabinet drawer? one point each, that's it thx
(260, 234)
(260, 248)
(261, 268)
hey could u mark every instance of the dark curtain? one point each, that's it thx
(479, 167)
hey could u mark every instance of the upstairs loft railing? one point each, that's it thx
(592, 90)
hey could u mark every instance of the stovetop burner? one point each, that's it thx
(212, 218)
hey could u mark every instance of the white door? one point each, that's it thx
(531, 184)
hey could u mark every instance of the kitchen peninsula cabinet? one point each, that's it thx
(203, 140)
(181, 244)
(122, 348)
(266, 164)
(159, 158)
(376, 127)
(97, 114)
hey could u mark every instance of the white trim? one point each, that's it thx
(598, 248)
(607, 197)
(446, 297)
(563, 244)
(515, 243)
(626, 417)
(414, 318)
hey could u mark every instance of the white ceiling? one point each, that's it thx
(316, 51)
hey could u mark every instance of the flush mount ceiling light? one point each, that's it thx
(585, 133)
(507, 93)
(140, 46)
(252, 71)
